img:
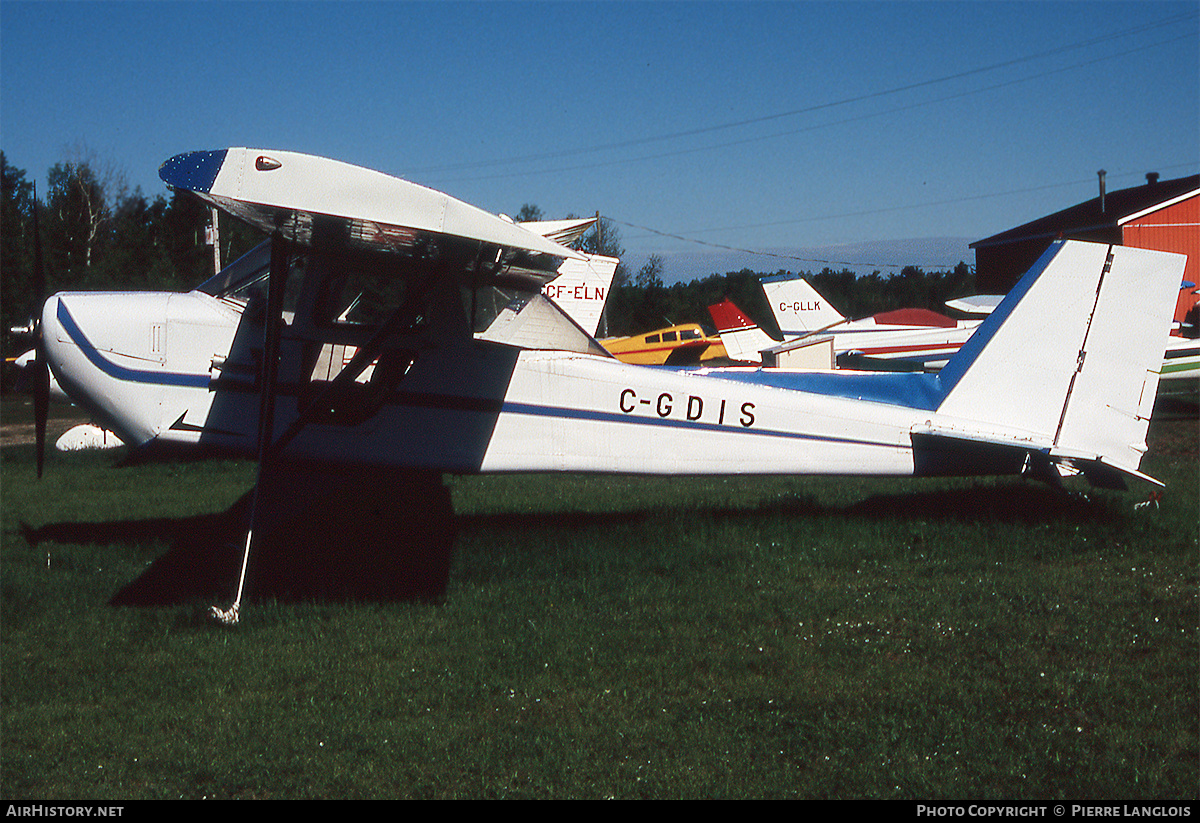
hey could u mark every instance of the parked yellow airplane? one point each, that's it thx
(682, 345)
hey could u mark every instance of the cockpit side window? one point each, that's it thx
(360, 292)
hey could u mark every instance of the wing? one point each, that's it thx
(977, 305)
(299, 195)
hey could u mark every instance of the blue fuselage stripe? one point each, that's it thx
(123, 373)
(912, 390)
(593, 415)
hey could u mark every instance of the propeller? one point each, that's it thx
(41, 399)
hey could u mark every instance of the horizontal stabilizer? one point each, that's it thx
(939, 454)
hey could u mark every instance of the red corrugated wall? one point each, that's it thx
(1173, 228)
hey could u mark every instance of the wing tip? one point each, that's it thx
(194, 170)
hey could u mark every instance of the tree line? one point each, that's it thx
(641, 302)
(98, 234)
(641, 306)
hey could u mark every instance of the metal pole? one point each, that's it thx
(276, 284)
(216, 241)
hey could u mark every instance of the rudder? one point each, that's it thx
(1068, 363)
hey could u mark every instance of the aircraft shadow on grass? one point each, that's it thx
(391, 555)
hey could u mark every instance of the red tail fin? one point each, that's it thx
(728, 317)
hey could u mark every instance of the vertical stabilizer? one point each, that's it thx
(1108, 409)
(797, 306)
(1069, 361)
(741, 336)
(581, 289)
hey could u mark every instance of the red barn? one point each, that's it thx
(1162, 215)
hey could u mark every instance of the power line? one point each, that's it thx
(760, 138)
(822, 106)
(710, 244)
(776, 255)
(930, 204)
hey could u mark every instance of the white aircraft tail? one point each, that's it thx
(797, 306)
(582, 285)
(581, 289)
(1067, 366)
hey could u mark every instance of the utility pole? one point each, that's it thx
(215, 238)
(600, 250)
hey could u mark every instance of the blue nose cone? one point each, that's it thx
(193, 170)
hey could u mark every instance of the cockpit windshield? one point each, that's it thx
(240, 275)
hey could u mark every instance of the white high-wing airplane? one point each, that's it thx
(916, 335)
(389, 325)
(580, 290)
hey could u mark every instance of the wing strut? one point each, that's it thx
(272, 327)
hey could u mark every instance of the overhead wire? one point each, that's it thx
(760, 138)
(910, 206)
(1180, 18)
(830, 104)
(777, 255)
(864, 213)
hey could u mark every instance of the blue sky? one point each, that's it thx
(843, 127)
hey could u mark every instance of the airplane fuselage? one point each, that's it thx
(684, 343)
(181, 370)
(409, 330)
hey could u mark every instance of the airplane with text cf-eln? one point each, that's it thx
(388, 326)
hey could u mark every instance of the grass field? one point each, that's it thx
(623, 638)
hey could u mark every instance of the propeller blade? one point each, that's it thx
(41, 403)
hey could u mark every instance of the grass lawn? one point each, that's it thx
(621, 637)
